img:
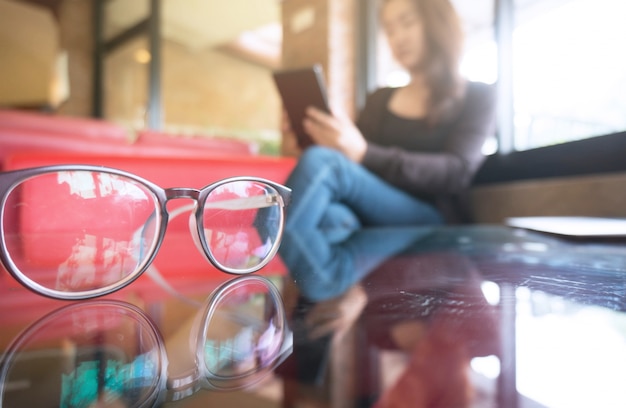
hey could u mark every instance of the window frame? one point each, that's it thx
(150, 27)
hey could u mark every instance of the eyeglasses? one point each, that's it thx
(77, 231)
(110, 353)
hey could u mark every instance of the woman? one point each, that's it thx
(414, 149)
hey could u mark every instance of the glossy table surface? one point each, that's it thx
(472, 316)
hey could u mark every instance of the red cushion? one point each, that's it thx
(64, 126)
(168, 172)
(26, 141)
(29, 131)
(14, 141)
(220, 145)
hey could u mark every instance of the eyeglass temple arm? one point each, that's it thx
(233, 204)
(247, 203)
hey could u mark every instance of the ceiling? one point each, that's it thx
(203, 24)
(197, 24)
(250, 29)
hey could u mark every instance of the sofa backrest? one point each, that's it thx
(223, 145)
(62, 126)
(28, 132)
(167, 171)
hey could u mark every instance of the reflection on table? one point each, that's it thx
(455, 317)
(111, 353)
(472, 316)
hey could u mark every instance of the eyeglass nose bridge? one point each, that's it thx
(193, 194)
(185, 385)
(181, 192)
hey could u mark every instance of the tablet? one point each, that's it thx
(299, 89)
(572, 226)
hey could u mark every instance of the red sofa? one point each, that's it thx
(31, 140)
(27, 131)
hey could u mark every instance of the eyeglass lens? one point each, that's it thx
(241, 222)
(74, 231)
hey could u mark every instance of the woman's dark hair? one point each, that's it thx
(443, 36)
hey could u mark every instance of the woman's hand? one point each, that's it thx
(337, 131)
(289, 142)
(336, 316)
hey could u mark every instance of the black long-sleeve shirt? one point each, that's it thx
(435, 163)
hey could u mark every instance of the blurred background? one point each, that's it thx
(204, 66)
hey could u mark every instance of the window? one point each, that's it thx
(569, 70)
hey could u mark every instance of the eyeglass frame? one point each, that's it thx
(10, 179)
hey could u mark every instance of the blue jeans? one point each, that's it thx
(332, 192)
(324, 269)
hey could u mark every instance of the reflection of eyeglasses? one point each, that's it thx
(77, 232)
(110, 352)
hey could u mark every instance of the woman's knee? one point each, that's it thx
(319, 155)
(315, 161)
